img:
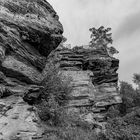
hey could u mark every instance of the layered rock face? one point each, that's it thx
(29, 31)
(94, 80)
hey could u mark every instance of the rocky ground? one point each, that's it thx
(29, 31)
(18, 120)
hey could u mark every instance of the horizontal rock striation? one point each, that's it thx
(95, 78)
(29, 31)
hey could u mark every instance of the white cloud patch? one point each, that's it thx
(129, 26)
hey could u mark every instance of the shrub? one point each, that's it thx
(128, 97)
(118, 129)
(113, 112)
(124, 128)
(54, 96)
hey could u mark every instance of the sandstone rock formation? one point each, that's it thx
(18, 120)
(95, 78)
(29, 31)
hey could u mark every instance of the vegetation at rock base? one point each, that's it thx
(54, 96)
(124, 120)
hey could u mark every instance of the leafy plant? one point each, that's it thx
(136, 79)
(54, 96)
(128, 96)
(124, 128)
(100, 36)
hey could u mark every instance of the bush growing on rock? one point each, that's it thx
(54, 96)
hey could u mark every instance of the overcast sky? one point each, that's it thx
(123, 16)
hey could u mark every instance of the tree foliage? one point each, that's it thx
(128, 96)
(54, 96)
(124, 119)
(124, 128)
(100, 36)
(136, 79)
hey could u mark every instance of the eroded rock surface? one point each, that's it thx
(95, 78)
(29, 31)
(18, 120)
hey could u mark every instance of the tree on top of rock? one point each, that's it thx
(101, 37)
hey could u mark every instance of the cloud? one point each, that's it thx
(130, 25)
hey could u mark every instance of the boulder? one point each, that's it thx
(29, 31)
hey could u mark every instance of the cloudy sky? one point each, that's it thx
(123, 16)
